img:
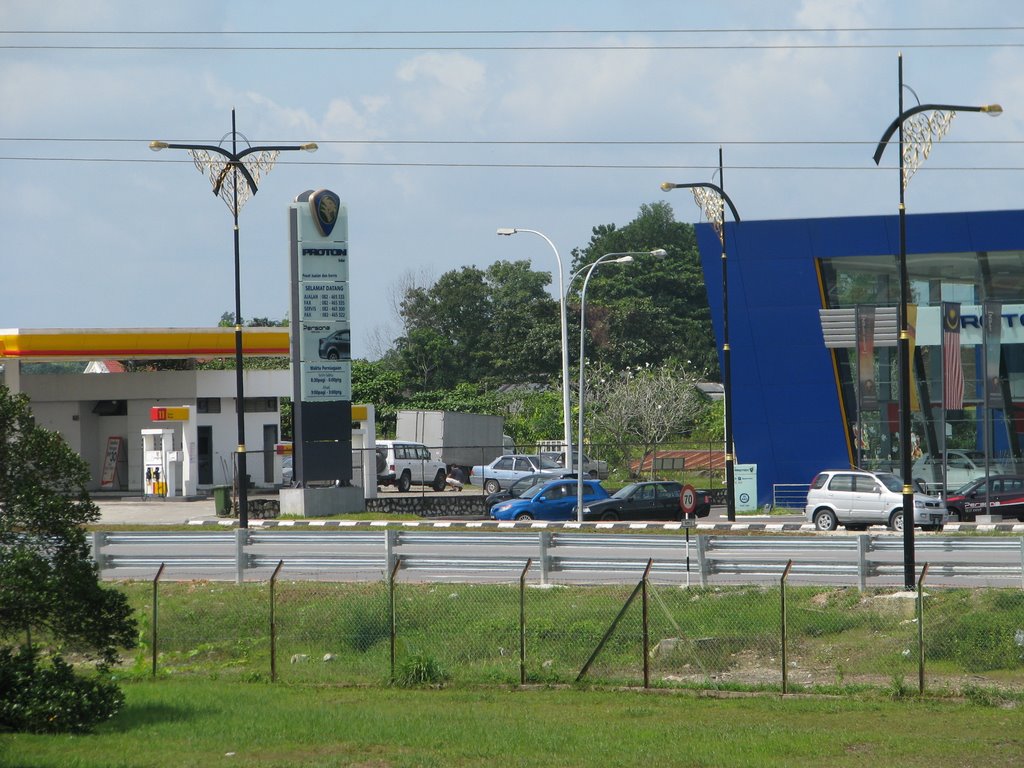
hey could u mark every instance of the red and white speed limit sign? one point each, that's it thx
(688, 500)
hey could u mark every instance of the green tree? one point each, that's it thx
(651, 311)
(49, 586)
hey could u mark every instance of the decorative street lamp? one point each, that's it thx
(608, 258)
(234, 176)
(566, 411)
(712, 199)
(917, 133)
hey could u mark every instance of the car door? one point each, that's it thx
(556, 503)
(667, 501)
(641, 503)
(500, 470)
(839, 494)
(868, 501)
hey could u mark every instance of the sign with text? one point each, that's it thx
(160, 413)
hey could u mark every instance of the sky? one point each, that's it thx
(438, 123)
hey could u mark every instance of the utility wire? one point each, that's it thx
(670, 31)
(483, 48)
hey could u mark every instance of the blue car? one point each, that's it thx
(554, 500)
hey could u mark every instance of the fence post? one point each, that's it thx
(863, 547)
(646, 628)
(156, 580)
(920, 630)
(545, 562)
(782, 606)
(241, 539)
(1022, 562)
(390, 543)
(273, 624)
(702, 560)
(392, 575)
(522, 622)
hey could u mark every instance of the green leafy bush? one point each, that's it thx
(40, 698)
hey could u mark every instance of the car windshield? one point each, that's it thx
(966, 488)
(891, 482)
(546, 463)
(532, 491)
(623, 493)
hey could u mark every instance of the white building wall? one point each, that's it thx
(65, 403)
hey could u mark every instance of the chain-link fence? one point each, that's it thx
(749, 637)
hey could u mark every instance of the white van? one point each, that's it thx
(403, 464)
(857, 499)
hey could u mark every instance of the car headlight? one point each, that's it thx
(918, 504)
(503, 508)
(586, 510)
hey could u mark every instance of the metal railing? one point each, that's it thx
(859, 560)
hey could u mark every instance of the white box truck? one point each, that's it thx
(463, 439)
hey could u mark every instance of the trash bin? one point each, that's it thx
(222, 500)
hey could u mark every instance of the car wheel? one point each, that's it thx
(382, 463)
(404, 482)
(439, 480)
(825, 520)
(524, 516)
(609, 516)
(896, 520)
(491, 486)
(333, 354)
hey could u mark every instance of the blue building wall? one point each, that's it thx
(787, 417)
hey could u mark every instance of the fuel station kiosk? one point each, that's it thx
(162, 463)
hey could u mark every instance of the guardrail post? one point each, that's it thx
(782, 607)
(241, 539)
(702, 559)
(156, 580)
(863, 547)
(273, 624)
(522, 622)
(99, 540)
(545, 560)
(920, 630)
(390, 543)
(1022, 562)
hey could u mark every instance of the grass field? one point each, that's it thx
(205, 723)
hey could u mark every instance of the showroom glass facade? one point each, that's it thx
(988, 432)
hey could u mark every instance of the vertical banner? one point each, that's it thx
(866, 358)
(992, 331)
(915, 401)
(952, 367)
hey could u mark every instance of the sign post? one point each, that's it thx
(688, 503)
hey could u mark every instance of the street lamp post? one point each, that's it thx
(924, 131)
(234, 176)
(566, 410)
(609, 258)
(712, 199)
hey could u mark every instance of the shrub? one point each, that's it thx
(39, 698)
(419, 669)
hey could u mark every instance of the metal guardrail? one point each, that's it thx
(863, 559)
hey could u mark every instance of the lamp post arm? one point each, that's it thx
(707, 185)
(992, 109)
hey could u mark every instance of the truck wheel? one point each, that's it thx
(439, 480)
(404, 482)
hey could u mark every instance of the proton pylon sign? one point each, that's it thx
(321, 338)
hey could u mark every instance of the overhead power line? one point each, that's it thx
(649, 31)
(498, 48)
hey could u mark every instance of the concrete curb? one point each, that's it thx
(598, 526)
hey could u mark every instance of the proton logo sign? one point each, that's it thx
(324, 206)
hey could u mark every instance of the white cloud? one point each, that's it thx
(443, 87)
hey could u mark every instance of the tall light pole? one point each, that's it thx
(234, 176)
(712, 199)
(609, 258)
(923, 132)
(566, 409)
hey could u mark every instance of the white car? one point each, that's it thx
(857, 499)
(403, 464)
(505, 470)
(961, 468)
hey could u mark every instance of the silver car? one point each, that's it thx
(856, 499)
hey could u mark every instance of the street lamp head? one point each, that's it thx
(309, 147)
(156, 146)
(623, 260)
(668, 185)
(659, 253)
(992, 109)
(506, 230)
